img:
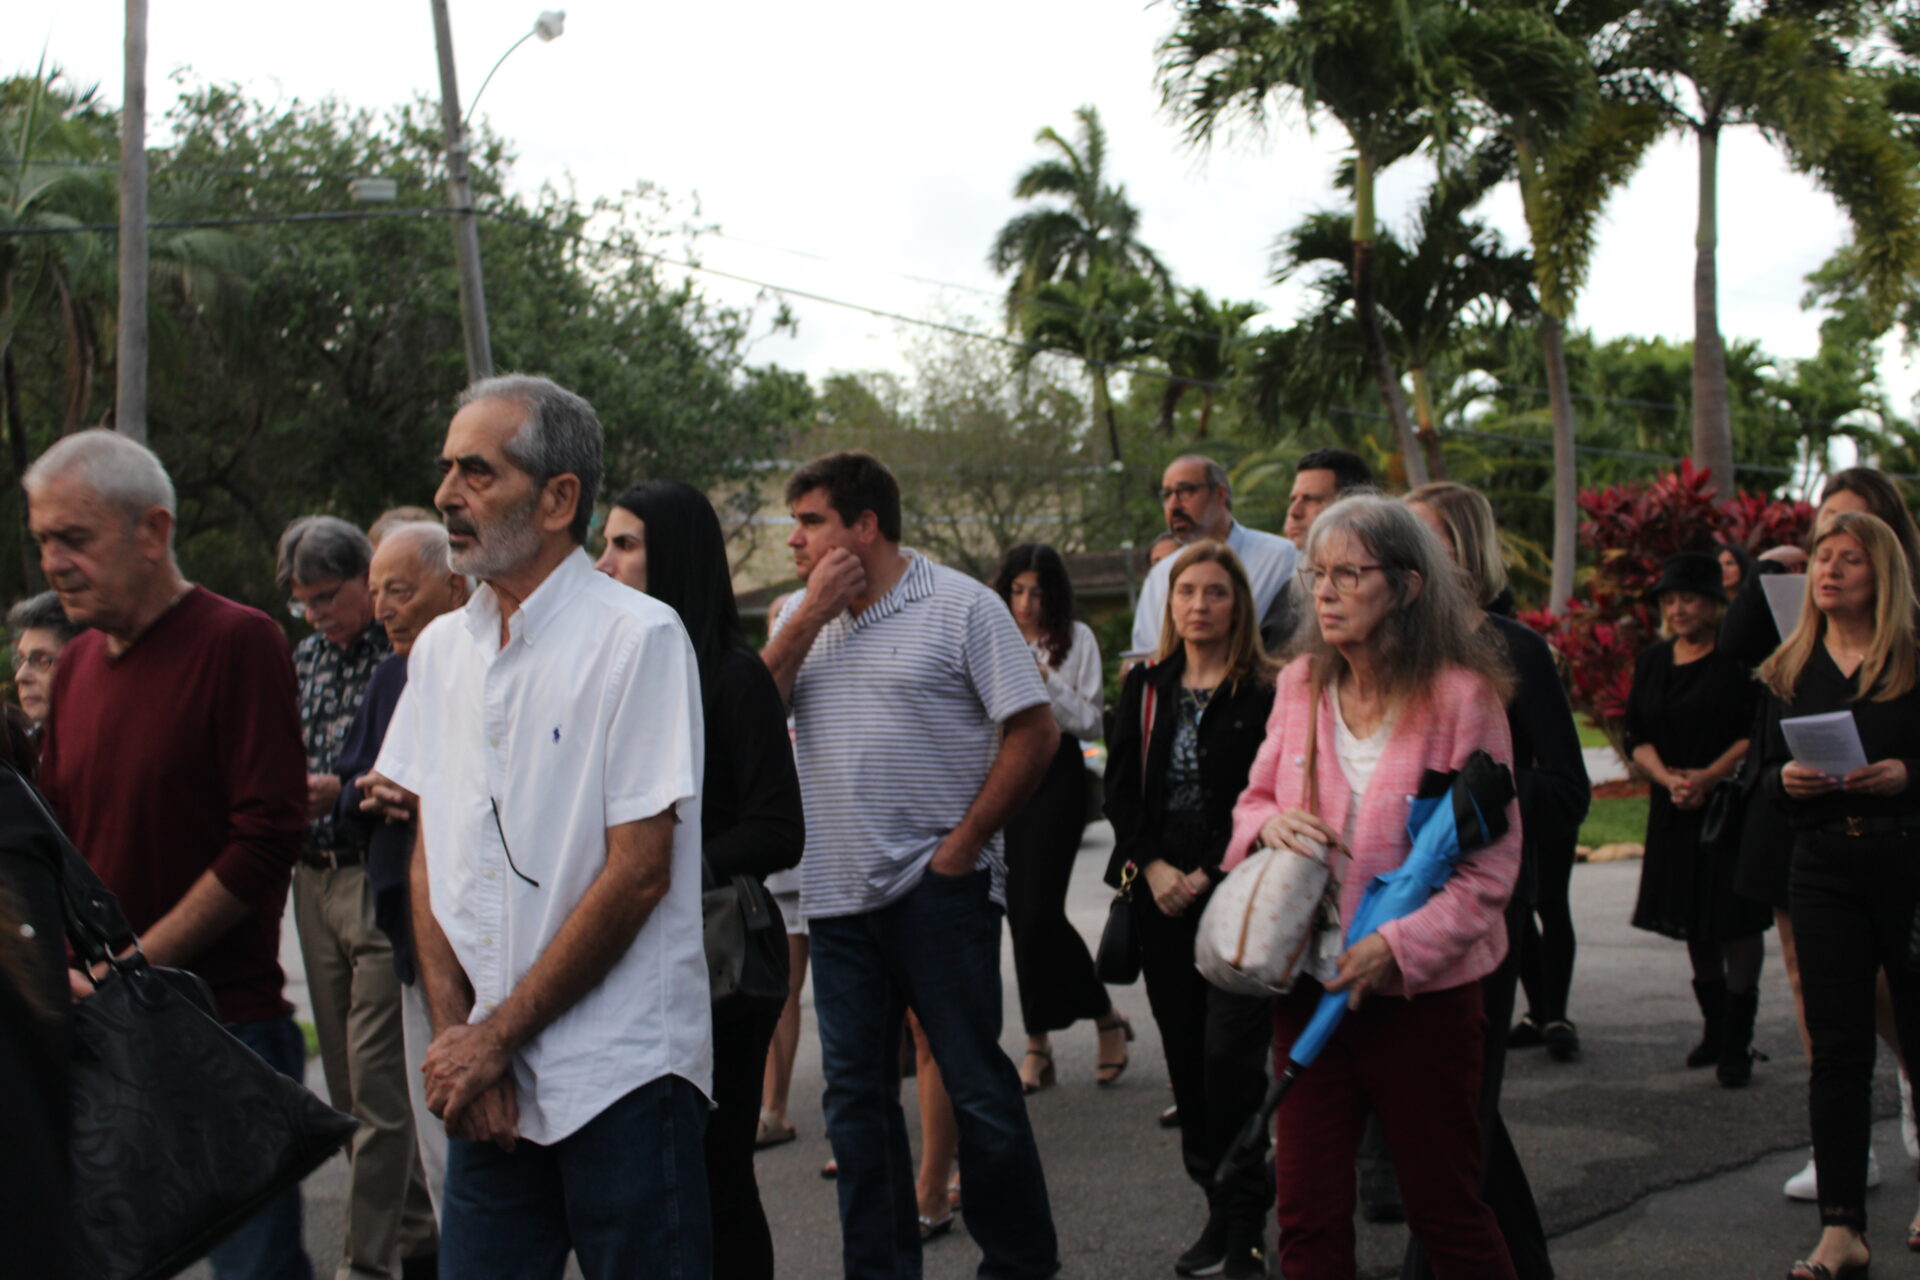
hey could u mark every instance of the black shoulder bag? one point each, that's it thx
(746, 941)
(180, 1133)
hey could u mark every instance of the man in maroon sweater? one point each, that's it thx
(174, 759)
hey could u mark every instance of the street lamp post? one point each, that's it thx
(466, 232)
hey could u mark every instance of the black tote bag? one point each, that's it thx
(180, 1133)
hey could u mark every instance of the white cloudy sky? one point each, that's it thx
(885, 137)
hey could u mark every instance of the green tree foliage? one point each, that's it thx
(325, 384)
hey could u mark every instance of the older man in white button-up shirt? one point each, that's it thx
(552, 730)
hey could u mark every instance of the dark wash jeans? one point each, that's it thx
(1852, 900)
(938, 950)
(627, 1192)
(267, 1246)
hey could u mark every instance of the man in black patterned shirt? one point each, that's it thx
(349, 961)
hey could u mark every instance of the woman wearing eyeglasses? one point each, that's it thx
(1188, 725)
(1396, 676)
(40, 631)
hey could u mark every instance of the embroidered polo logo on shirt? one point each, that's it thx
(556, 733)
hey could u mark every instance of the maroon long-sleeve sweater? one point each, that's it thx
(180, 755)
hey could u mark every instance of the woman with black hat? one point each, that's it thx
(1688, 720)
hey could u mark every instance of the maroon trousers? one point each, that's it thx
(1416, 1064)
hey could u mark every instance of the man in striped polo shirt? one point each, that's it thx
(920, 725)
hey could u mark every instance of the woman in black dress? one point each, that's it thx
(1050, 961)
(663, 538)
(1189, 725)
(1855, 883)
(1688, 721)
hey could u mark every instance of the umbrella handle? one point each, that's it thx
(1256, 1127)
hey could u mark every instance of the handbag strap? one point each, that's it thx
(1310, 784)
(1149, 696)
(96, 926)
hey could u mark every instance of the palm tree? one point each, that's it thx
(1530, 66)
(1197, 343)
(1787, 68)
(1082, 276)
(1373, 65)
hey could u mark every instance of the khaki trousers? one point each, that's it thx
(427, 1126)
(357, 1012)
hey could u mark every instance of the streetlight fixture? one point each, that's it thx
(466, 235)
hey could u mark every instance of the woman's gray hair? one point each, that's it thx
(44, 612)
(562, 436)
(1429, 627)
(119, 471)
(321, 549)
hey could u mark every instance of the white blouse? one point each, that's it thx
(1076, 685)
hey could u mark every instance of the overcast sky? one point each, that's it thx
(884, 137)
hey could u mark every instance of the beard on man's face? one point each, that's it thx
(499, 545)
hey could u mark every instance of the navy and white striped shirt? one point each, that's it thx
(897, 716)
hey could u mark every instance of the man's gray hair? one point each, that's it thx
(117, 470)
(426, 540)
(1216, 475)
(42, 611)
(561, 436)
(321, 549)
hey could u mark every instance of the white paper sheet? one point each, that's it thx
(1786, 596)
(1829, 743)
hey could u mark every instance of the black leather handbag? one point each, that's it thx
(1117, 962)
(746, 941)
(179, 1133)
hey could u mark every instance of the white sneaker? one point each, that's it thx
(1805, 1185)
(1909, 1136)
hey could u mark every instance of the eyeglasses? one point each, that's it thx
(1167, 493)
(318, 604)
(39, 660)
(1346, 577)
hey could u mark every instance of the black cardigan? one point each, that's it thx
(1549, 770)
(750, 816)
(1231, 732)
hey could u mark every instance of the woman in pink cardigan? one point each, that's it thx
(1395, 676)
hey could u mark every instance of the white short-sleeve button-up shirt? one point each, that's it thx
(523, 755)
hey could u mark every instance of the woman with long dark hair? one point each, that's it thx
(663, 538)
(1057, 984)
(1853, 880)
(1186, 732)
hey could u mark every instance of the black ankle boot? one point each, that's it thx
(1206, 1255)
(1246, 1252)
(1736, 1044)
(1712, 995)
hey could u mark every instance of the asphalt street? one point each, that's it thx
(1642, 1168)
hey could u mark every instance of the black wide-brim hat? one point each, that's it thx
(1694, 571)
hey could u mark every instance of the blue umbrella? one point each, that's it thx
(1454, 814)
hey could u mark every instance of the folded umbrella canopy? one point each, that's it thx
(1453, 814)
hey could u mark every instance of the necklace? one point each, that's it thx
(1199, 698)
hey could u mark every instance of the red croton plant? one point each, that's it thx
(1630, 530)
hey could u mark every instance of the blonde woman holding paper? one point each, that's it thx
(1854, 874)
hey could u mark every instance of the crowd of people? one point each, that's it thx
(504, 785)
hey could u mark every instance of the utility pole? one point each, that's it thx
(466, 235)
(130, 369)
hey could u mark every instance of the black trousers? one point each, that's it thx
(1503, 1181)
(1050, 960)
(1546, 947)
(1217, 1045)
(1852, 901)
(742, 1242)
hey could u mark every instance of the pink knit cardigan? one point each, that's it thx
(1460, 934)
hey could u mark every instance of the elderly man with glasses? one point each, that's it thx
(323, 564)
(1198, 504)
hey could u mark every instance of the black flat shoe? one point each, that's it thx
(1526, 1034)
(1562, 1040)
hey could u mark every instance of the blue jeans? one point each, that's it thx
(627, 1192)
(268, 1245)
(938, 950)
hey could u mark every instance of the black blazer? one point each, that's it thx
(1230, 735)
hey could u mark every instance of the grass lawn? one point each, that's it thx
(1590, 736)
(1615, 820)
